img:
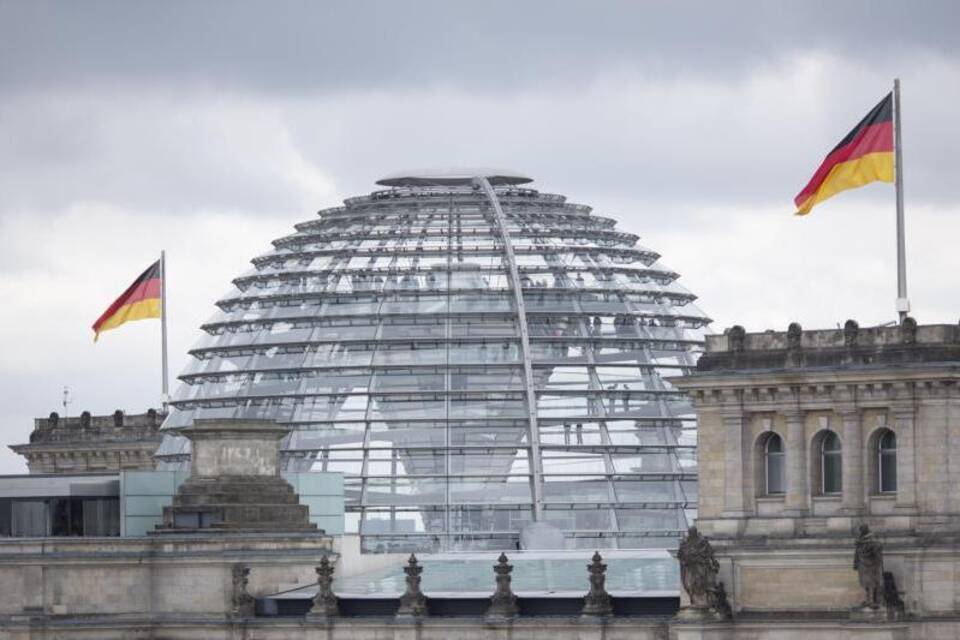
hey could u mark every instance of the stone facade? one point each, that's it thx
(827, 462)
(87, 443)
(804, 436)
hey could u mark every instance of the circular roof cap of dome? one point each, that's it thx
(451, 177)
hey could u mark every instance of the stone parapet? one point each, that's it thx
(795, 348)
(86, 443)
(173, 574)
(198, 628)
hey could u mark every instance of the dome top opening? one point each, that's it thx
(451, 177)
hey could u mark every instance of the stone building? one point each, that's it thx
(827, 460)
(233, 544)
(804, 438)
(88, 443)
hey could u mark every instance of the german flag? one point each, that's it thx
(141, 300)
(865, 155)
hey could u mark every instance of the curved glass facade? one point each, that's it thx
(472, 357)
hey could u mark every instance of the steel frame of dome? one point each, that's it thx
(413, 342)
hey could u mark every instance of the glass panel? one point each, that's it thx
(888, 471)
(6, 517)
(830, 463)
(774, 465)
(101, 517)
(888, 462)
(31, 518)
(510, 489)
(775, 484)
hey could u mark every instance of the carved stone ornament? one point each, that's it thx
(325, 604)
(850, 332)
(908, 331)
(118, 418)
(241, 603)
(698, 574)
(503, 602)
(413, 604)
(597, 600)
(794, 334)
(85, 420)
(736, 337)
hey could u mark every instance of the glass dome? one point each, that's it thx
(473, 355)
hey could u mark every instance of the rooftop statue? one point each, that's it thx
(698, 574)
(868, 562)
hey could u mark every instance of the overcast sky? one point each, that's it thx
(210, 128)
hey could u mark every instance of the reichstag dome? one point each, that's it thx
(474, 356)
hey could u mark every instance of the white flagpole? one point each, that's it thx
(903, 303)
(163, 327)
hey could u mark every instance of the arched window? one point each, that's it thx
(773, 464)
(831, 478)
(887, 462)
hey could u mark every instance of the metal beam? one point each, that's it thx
(536, 468)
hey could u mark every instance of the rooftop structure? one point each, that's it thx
(828, 473)
(87, 443)
(851, 346)
(474, 356)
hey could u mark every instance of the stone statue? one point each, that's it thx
(698, 574)
(736, 336)
(413, 604)
(597, 600)
(325, 603)
(242, 604)
(85, 420)
(908, 331)
(850, 331)
(868, 562)
(118, 418)
(698, 568)
(794, 334)
(503, 602)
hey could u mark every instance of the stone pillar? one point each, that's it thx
(735, 466)
(853, 470)
(798, 494)
(235, 482)
(905, 428)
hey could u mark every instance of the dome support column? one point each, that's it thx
(536, 468)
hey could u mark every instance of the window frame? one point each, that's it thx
(781, 457)
(835, 456)
(888, 452)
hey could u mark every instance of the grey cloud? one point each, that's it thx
(493, 46)
(209, 128)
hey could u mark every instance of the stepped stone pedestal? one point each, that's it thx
(235, 482)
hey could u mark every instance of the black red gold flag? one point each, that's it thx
(865, 155)
(141, 300)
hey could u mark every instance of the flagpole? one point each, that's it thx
(163, 327)
(903, 303)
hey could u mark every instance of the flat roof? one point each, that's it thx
(451, 177)
(60, 485)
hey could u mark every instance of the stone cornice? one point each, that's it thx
(855, 389)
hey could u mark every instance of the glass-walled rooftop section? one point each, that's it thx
(464, 389)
